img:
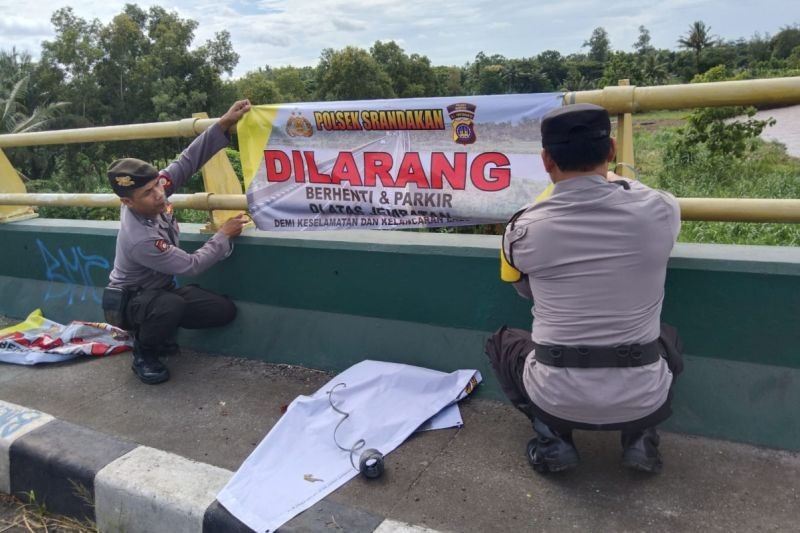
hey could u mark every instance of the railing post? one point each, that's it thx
(10, 183)
(625, 161)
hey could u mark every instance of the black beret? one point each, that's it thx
(128, 174)
(575, 122)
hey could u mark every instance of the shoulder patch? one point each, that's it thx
(162, 245)
(164, 181)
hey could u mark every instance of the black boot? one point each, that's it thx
(640, 450)
(168, 348)
(147, 366)
(551, 452)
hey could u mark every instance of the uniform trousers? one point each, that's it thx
(508, 349)
(155, 314)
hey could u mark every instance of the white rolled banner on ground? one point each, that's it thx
(298, 463)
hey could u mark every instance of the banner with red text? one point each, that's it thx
(39, 340)
(390, 164)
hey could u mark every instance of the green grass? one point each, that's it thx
(740, 233)
(33, 517)
(765, 172)
(660, 115)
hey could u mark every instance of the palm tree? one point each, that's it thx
(653, 72)
(697, 38)
(14, 117)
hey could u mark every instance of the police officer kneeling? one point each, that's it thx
(593, 259)
(142, 295)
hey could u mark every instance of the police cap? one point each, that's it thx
(575, 123)
(126, 175)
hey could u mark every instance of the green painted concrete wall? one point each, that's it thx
(329, 300)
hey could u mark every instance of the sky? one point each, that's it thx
(449, 32)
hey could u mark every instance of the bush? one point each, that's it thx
(718, 131)
(767, 172)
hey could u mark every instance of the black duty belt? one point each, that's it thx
(599, 356)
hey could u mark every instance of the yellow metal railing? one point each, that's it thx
(624, 138)
(188, 127)
(716, 209)
(224, 178)
(632, 99)
(204, 201)
(621, 100)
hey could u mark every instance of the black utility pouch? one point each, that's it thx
(672, 344)
(115, 300)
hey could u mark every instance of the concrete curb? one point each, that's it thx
(122, 486)
(15, 421)
(151, 490)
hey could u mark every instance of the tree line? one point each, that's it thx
(142, 67)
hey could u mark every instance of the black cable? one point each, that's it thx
(360, 443)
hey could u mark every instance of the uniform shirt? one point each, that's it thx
(148, 254)
(594, 259)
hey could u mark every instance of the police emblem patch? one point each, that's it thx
(162, 245)
(124, 181)
(463, 127)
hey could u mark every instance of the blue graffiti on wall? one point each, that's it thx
(73, 269)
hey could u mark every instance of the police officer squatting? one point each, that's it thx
(593, 258)
(142, 295)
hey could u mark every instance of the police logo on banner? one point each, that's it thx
(298, 126)
(462, 115)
